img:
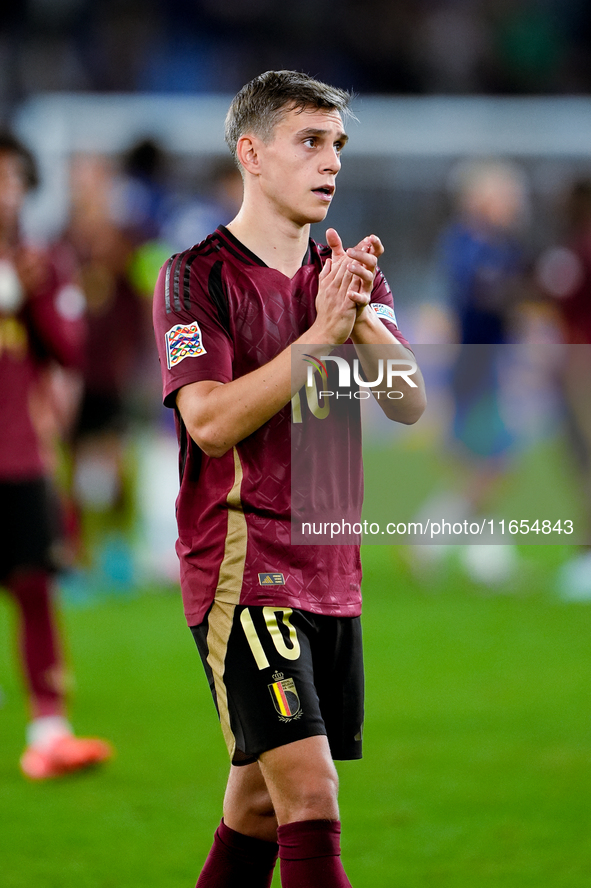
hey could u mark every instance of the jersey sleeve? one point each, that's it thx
(382, 303)
(193, 344)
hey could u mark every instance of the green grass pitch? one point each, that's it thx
(477, 743)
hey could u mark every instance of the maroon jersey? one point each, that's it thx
(220, 312)
(37, 327)
(575, 306)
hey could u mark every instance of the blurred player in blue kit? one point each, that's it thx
(482, 259)
(277, 625)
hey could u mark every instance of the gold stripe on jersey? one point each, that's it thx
(227, 596)
(232, 567)
(219, 626)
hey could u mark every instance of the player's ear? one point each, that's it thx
(246, 150)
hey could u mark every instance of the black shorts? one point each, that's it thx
(100, 413)
(29, 525)
(278, 675)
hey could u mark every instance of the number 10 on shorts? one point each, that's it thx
(271, 616)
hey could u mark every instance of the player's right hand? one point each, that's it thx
(362, 261)
(345, 283)
(336, 311)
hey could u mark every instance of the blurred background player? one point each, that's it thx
(41, 327)
(482, 261)
(193, 218)
(563, 272)
(482, 251)
(116, 326)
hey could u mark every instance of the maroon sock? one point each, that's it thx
(39, 643)
(309, 852)
(238, 861)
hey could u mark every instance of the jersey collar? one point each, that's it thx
(241, 252)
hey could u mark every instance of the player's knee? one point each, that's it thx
(314, 799)
(254, 816)
(260, 805)
(321, 790)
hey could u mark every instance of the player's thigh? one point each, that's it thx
(247, 788)
(260, 668)
(337, 653)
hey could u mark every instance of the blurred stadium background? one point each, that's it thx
(477, 763)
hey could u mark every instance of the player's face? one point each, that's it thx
(12, 189)
(300, 164)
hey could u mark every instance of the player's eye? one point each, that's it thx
(311, 141)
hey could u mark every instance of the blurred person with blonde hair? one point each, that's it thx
(41, 327)
(481, 252)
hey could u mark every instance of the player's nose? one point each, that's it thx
(331, 161)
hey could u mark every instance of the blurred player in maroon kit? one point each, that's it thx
(118, 332)
(564, 273)
(41, 324)
(277, 625)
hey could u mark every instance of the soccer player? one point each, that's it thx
(565, 276)
(41, 325)
(277, 625)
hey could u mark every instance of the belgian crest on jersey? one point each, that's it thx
(285, 697)
(183, 341)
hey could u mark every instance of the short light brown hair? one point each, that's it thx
(262, 102)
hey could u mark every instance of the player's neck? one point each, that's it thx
(277, 241)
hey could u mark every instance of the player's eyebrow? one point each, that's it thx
(312, 131)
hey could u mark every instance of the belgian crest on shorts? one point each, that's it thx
(285, 697)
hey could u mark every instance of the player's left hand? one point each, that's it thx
(371, 244)
(362, 263)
